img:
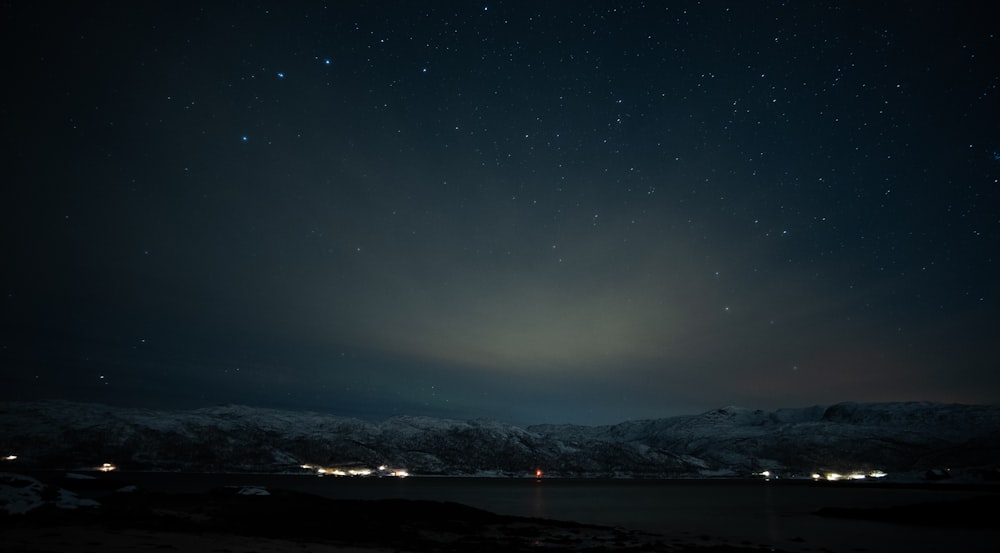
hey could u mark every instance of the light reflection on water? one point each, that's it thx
(741, 512)
(538, 509)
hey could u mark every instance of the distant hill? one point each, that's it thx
(910, 439)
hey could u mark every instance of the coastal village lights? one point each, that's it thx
(383, 470)
(855, 475)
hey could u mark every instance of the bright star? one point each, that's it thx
(281, 75)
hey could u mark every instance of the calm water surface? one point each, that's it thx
(777, 514)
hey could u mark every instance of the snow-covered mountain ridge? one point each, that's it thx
(734, 442)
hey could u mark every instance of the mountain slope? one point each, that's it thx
(895, 437)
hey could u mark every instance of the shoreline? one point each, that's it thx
(915, 482)
(423, 515)
(278, 521)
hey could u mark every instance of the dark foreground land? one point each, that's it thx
(250, 519)
(243, 519)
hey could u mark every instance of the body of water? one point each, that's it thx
(779, 514)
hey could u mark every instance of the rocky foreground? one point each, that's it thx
(42, 516)
(70, 512)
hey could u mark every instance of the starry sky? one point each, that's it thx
(556, 211)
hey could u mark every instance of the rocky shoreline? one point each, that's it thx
(249, 518)
(73, 512)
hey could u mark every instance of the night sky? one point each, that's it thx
(530, 211)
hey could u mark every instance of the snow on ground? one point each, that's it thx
(20, 494)
(253, 490)
(69, 500)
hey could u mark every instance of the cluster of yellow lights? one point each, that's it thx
(856, 475)
(382, 471)
(10, 458)
(398, 473)
(107, 467)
